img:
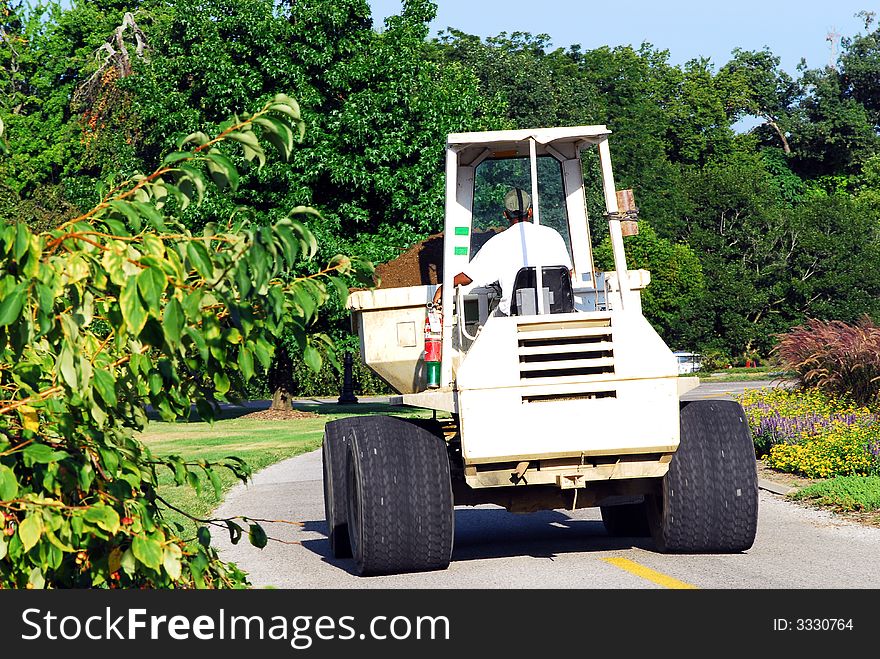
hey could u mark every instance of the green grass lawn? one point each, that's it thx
(259, 442)
(844, 494)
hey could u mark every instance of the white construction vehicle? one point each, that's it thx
(573, 401)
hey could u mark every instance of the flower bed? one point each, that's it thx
(810, 433)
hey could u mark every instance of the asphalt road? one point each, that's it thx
(795, 547)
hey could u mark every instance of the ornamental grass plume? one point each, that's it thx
(835, 357)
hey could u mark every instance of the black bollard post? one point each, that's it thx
(347, 396)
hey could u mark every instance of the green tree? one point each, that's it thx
(674, 301)
(833, 133)
(123, 307)
(755, 85)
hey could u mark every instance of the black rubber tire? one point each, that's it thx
(708, 500)
(400, 506)
(629, 520)
(334, 454)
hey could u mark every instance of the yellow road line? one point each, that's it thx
(647, 573)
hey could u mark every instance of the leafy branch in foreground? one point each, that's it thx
(123, 308)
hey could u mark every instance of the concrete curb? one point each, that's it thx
(776, 488)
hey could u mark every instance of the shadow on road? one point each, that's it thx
(495, 533)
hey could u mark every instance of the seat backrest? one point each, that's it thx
(556, 282)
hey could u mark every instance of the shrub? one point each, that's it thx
(834, 357)
(714, 360)
(121, 308)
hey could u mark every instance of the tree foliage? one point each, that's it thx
(379, 101)
(124, 307)
(673, 301)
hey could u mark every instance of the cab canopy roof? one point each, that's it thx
(515, 143)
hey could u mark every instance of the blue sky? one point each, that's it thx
(686, 28)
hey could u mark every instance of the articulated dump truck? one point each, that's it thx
(571, 401)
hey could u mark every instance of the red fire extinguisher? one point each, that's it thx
(433, 344)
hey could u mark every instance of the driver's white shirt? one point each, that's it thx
(523, 244)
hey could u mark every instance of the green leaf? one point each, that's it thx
(171, 561)
(235, 531)
(222, 170)
(133, 310)
(30, 530)
(67, 369)
(115, 227)
(105, 384)
(4, 545)
(10, 305)
(244, 137)
(250, 145)
(8, 484)
(36, 579)
(312, 358)
(22, 241)
(156, 383)
(127, 562)
(278, 133)
(173, 321)
(197, 566)
(110, 458)
(151, 213)
(221, 382)
(151, 284)
(176, 156)
(147, 551)
(257, 536)
(246, 363)
(204, 536)
(284, 103)
(184, 192)
(104, 517)
(198, 137)
(192, 479)
(199, 259)
(51, 537)
(126, 209)
(192, 178)
(341, 289)
(35, 252)
(215, 481)
(41, 454)
(264, 352)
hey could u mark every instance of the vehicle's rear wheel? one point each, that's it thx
(334, 454)
(629, 520)
(708, 500)
(400, 506)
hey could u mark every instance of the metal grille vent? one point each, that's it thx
(563, 353)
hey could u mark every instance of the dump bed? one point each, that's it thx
(390, 323)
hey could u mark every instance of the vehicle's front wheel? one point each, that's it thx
(708, 500)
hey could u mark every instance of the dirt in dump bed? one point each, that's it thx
(421, 264)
